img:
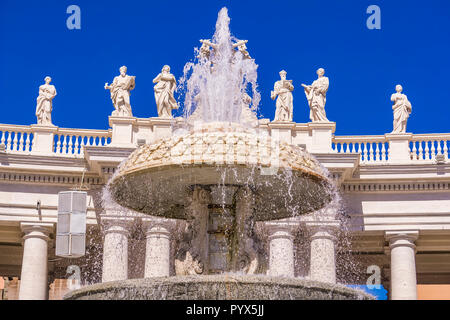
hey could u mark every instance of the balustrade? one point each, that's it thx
(19, 139)
(372, 149)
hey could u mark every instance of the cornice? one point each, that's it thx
(392, 186)
(50, 178)
(33, 159)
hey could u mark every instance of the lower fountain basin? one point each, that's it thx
(217, 287)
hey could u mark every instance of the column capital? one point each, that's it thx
(159, 226)
(37, 230)
(402, 238)
(409, 235)
(315, 226)
(277, 229)
(116, 224)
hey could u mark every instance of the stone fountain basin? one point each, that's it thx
(164, 190)
(217, 287)
(158, 178)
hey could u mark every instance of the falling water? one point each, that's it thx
(216, 84)
(221, 86)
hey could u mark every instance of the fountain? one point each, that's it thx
(225, 180)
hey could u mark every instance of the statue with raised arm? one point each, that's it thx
(120, 93)
(205, 49)
(316, 95)
(285, 102)
(44, 104)
(240, 44)
(164, 89)
(402, 109)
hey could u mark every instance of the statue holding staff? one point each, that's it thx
(402, 109)
(120, 93)
(44, 104)
(316, 96)
(285, 102)
(165, 86)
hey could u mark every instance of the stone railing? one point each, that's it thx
(16, 137)
(72, 141)
(425, 147)
(372, 149)
(50, 139)
(399, 148)
(125, 132)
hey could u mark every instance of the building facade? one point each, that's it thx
(395, 189)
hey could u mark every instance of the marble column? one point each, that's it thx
(281, 248)
(403, 264)
(322, 257)
(34, 275)
(157, 252)
(115, 249)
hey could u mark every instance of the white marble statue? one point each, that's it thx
(44, 104)
(316, 95)
(120, 93)
(240, 44)
(402, 109)
(247, 116)
(164, 89)
(285, 102)
(205, 49)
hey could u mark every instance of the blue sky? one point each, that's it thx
(412, 48)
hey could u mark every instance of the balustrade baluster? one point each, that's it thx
(58, 144)
(27, 142)
(15, 140)
(427, 151)
(82, 144)
(65, 145)
(377, 151)
(414, 151)
(70, 149)
(76, 148)
(364, 151)
(433, 151)
(420, 150)
(8, 141)
(439, 149)
(2, 141)
(20, 148)
(446, 149)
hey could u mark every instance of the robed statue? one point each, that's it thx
(285, 102)
(402, 109)
(120, 93)
(44, 102)
(316, 94)
(165, 86)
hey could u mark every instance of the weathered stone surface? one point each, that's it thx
(217, 287)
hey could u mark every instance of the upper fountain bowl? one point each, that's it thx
(158, 179)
